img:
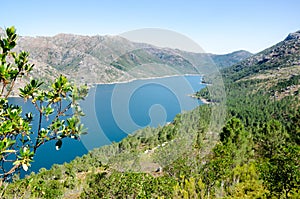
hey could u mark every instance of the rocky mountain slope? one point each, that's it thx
(102, 59)
(275, 70)
(284, 54)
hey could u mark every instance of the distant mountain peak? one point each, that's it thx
(230, 59)
(293, 36)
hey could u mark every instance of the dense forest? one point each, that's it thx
(254, 155)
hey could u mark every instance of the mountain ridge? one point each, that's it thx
(285, 53)
(92, 59)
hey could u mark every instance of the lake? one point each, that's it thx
(115, 110)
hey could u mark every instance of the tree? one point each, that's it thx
(58, 110)
(279, 164)
(233, 150)
(236, 139)
(294, 129)
(281, 172)
(272, 138)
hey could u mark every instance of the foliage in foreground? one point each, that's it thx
(55, 119)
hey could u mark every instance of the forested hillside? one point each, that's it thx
(255, 154)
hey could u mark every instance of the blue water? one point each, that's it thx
(115, 110)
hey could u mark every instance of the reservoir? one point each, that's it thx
(115, 110)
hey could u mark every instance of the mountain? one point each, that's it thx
(282, 55)
(275, 70)
(102, 59)
(230, 59)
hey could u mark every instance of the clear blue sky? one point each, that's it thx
(218, 26)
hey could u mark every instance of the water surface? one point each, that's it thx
(115, 110)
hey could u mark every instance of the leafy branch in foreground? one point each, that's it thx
(58, 111)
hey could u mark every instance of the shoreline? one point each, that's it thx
(91, 85)
(203, 100)
(145, 78)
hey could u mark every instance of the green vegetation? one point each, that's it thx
(254, 155)
(18, 143)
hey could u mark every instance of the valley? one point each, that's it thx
(254, 153)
